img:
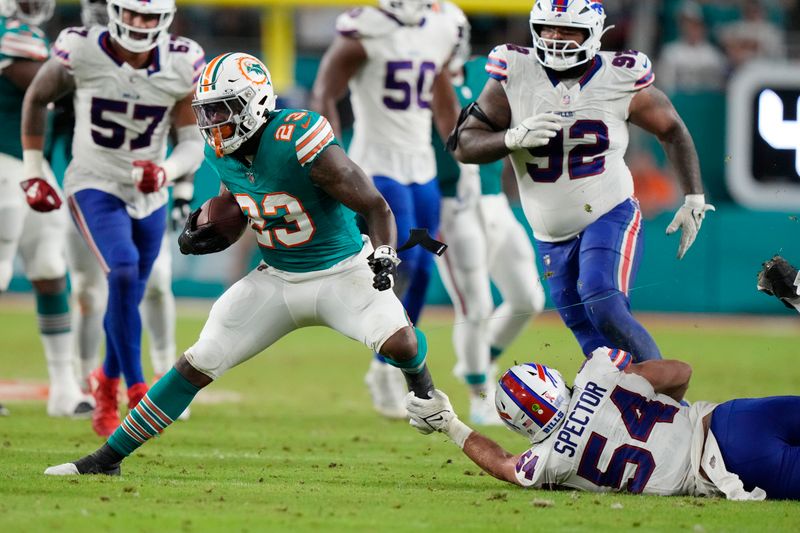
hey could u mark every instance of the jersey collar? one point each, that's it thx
(594, 67)
(105, 44)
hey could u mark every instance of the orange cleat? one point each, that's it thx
(105, 418)
(136, 393)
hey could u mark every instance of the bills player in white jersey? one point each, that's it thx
(88, 280)
(392, 58)
(37, 237)
(486, 244)
(560, 110)
(622, 428)
(131, 83)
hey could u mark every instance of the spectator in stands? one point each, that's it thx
(692, 63)
(753, 37)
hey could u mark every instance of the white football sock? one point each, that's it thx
(158, 317)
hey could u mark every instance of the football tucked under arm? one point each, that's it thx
(217, 224)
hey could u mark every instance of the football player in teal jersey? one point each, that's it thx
(37, 237)
(300, 193)
(486, 244)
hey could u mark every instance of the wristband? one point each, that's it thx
(458, 432)
(32, 164)
(695, 201)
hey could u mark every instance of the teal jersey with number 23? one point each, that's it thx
(299, 227)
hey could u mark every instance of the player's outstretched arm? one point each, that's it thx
(341, 178)
(444, 106)
(483, 141)
(667, 376)
(437, 414)
(651, 110)
(340, 63)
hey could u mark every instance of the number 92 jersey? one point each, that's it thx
(618, 435)
(580, 175)
(122, 114)
(391, 93)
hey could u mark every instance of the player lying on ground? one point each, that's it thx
(295, 184)
(622, 428)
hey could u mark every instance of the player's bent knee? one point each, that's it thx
(401, 346)
(208, 357)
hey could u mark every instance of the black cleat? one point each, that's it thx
(778, 278)
(104, 461)
(3, 410)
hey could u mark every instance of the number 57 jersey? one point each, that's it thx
(580, 175)
(122, 114)
(618, 435)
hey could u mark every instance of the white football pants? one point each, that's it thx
(487, 244)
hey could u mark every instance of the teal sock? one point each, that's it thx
(475, 379)
(52, 310)
(494, 352)
(162, 404)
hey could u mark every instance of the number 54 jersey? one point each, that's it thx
(391, 94)
(580, 175)
(618, 435)
(122, 114)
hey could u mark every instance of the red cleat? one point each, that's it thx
(136, 393)
(105, 418)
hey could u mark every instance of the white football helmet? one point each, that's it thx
(532, 399)
(134, 38)
(31, 12)
(233, 99)
(558, 54)
(409, 12)
(463, 49)
(94, 13)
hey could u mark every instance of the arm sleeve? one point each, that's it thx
(68, 44)
(312, 136)
(497, 63)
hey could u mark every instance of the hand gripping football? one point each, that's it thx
(224, 216)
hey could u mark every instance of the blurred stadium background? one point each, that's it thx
(714, 58)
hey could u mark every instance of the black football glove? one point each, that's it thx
(200, 241)
(778, 278)
(383, 262)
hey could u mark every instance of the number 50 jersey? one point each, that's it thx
(391, 93)
(122, 114)
(580, 175)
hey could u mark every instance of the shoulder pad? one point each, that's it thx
(69, 42)
(22, 41)
(365, 22)
(633, 70)
(309, 133)
(188, 56)
(497, 64)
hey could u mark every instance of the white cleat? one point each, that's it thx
(387, 387)
(67, 469)
(482, 411)
(69, 402)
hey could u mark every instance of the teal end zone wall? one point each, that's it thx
(717, 275)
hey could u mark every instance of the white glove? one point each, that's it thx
(533, 132)
(689, 218)
(430, 414)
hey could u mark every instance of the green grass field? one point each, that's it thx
(302, 450)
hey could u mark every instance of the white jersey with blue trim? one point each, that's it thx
(391, 94)
(122, 114)
(618, 435)
(581, 174)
